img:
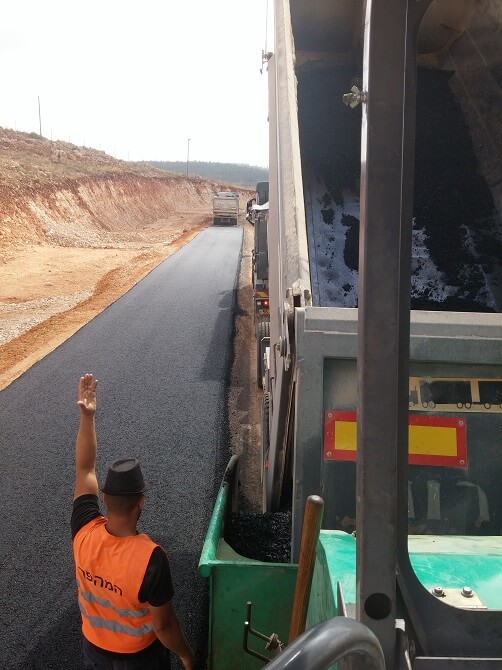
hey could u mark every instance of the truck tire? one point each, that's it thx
(265, 444)
(262, 331)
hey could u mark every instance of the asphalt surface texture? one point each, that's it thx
(162, 355)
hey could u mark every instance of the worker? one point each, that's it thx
(124, 581)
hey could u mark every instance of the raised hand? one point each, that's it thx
(86, 394)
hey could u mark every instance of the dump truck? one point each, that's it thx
(225, 208)
(383, 378)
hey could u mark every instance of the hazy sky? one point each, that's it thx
(137, 79)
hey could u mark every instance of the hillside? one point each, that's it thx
(233, 173)
(78, 228)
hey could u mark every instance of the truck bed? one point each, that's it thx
(225, 208)
(457, 239)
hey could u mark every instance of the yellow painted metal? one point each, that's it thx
(423, 440)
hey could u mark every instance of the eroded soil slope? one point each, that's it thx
(77, 230)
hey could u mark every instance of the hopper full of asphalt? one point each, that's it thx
(162, 355)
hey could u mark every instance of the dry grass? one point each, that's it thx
(27, 158)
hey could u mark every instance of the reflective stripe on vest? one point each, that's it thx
(90, 598)
(115, 626)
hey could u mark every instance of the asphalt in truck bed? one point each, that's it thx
(457, 232)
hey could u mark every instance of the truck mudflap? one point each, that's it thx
(225, 221)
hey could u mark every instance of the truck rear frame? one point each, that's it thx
(313, 349)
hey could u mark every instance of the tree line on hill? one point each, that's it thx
(230, 173)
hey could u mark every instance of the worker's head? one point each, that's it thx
(125, 507)
(124, 488)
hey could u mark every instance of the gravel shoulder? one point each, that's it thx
(244, 396)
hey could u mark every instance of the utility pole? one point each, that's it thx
(39, 117)
(188, 154)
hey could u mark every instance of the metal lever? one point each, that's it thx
(273, 642)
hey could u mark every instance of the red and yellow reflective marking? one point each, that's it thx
(261, 303)
(432, 440)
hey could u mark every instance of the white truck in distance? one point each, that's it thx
(225, 208)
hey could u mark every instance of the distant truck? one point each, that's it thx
(225, 208)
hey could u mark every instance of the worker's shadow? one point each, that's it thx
(220, 350)
(61, 647)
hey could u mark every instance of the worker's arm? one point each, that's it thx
(86, 445)
(167, 628)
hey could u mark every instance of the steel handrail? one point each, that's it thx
(329, 641)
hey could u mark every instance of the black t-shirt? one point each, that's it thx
(157, 586)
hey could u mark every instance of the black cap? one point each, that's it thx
(125, 478)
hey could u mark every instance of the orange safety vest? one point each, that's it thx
(109, 573)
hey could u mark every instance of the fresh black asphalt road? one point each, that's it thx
(162, 355)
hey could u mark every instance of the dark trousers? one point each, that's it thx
(156, 657)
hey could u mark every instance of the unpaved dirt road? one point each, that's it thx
(48, 292)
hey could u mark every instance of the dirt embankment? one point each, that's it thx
(77, 230)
